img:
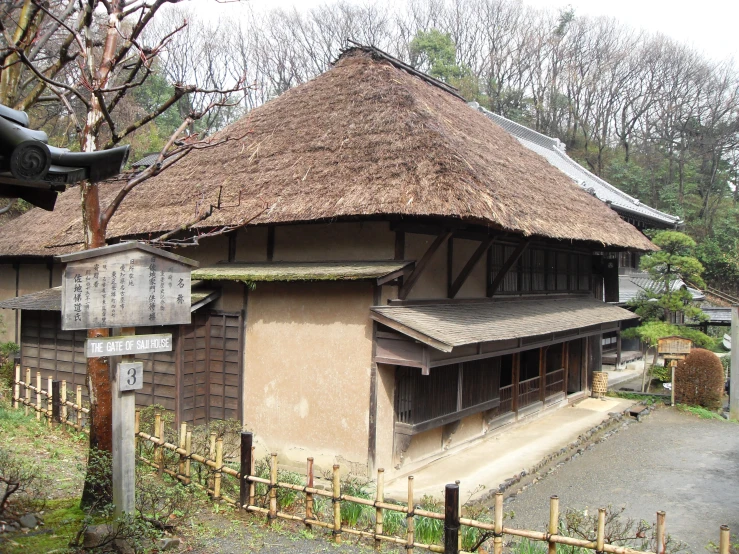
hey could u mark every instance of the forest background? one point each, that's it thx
(649, 114)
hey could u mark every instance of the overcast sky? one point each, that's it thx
(711, 26)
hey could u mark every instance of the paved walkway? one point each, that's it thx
(492, 460)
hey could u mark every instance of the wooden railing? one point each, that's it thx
(506, 399)
(555, 382)
(528, 391)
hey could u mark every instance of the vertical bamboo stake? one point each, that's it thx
(272, 515)
(79, 407)
(28, 390)
(65, 412)
(336, 498)
(38, 395)
(660, 533)
(723, 543)
(600, 540)
(183, 439)
(155, 432)
(17, 387)
(459, 511)
(379, 497)
(49, 401)
(410, 522)
(188, 448)
(309, 495)
(161, 450)
(498, 540)
(136, 431)
(673, 363)
(553, 521)
(252, 484)
(219, 467)
(212, 447)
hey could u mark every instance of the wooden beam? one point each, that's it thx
(512, 259)
(422, 264)
(469, 266)
(270, 242)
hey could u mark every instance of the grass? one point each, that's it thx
(61, 520)
(647, 399)
(703, 413)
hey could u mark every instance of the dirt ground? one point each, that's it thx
(672, 461)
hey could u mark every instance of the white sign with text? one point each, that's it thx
(124, 346)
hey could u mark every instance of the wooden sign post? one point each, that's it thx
(673, 349)
(124, 286)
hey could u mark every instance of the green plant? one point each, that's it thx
(429, 530)
(663, 373)
(352, 513)
(699, 411)
(699, 379)
(21, 486)
(7, 367)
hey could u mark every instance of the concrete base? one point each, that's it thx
(489, 462)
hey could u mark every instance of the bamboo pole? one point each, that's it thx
(272, 515)
(17, 387)
(309, 495)
(38, 395)
(183, 439)
(157, 451)
(188, 453)
(379, 497)
(723, 544)
(219, 466)
(28, 390)
(553, 522)
(162, 442)
(65, 410)
(410, 522)
(212, 446)
(337, 504)
(498, 531)
(459, 511)
(600, 540)
(79, 407)
(49, 401)
(660, 532)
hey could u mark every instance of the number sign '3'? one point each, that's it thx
(130, 376)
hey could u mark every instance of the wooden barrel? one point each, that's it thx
(600, 383)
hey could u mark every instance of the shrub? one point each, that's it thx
(699, 379)
(7, 368)
(663, 373)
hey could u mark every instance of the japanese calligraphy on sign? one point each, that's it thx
(125, 285)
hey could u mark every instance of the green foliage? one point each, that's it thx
(21, 486)
(437, 51)
(699, 379)
(651, 331)
(7, 368)
(428, 530)
(699, 411)
(663, 373)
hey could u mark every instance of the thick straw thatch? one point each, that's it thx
(364, 139)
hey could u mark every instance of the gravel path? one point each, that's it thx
(672, 461)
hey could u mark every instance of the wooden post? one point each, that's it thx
(188, 449)
(252, 485)
(542, 373)
(459, 540)
(553, 522)
(17, 387)
(600, 540)
(245, 469)
(49, 401)
(336, 499)
(79, 407)
(660, 533)
(212, 446)
(38, 395)
(379, 497)
(451, 519)
(162, 440)
(56, 402)
(219, 467)
(498, 539)
(514, 381)
(618, 348)
(309, 495)
(65, 411)
(272, 514)
(723, 543)
(673, 363)
(182, 443)
(136, 430)
(157, 450)
(410, 522)
(28, 390)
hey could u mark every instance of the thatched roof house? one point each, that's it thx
(400, 274)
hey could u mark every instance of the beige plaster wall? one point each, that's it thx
(370, 240)
(251, 244)
(33, 278)
(385, 416)
(427, 446)
(232, 297)
(474, 286)
(57, 273)
(308, 356)
(433, 281)
(7, 290)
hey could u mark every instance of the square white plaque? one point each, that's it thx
(130, 376)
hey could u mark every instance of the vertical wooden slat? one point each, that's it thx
(56, 402)
(188, 449)
(207, 370)
(157, 450)
(136, 429)
(451, 519)
(252, 486)
(28, 390)
(516, 378)
(309, 495)
(336, 499)
(78, 399)
(49, 400)
(379, 497)
(272, 515)
(245, 469)
(38, 395)
(17, 387)
(219, 467)
(410, 522)
(182, 441)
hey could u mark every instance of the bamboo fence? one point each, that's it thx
(58, 408)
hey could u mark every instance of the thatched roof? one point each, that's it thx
(364, 139)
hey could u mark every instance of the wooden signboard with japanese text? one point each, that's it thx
(125, 288)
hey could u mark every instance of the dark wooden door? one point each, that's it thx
(575, 366)
(212, 367)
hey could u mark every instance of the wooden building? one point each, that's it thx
(393, 274)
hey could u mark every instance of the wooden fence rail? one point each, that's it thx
(58, 408)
